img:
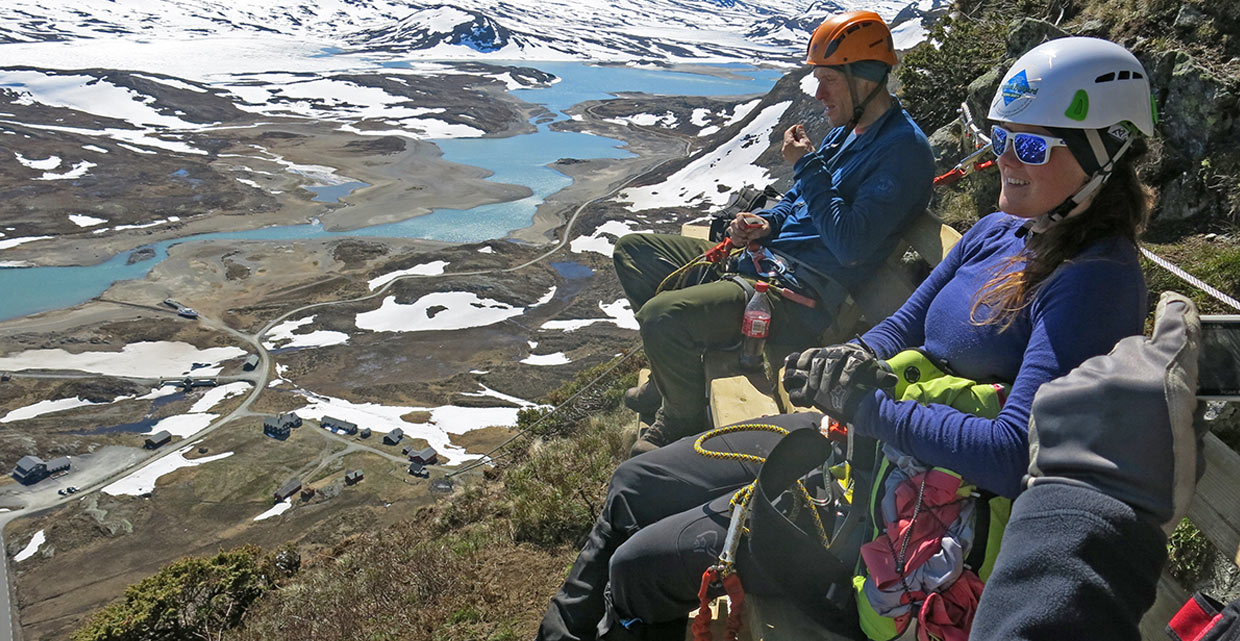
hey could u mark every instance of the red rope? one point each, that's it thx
(736, 599)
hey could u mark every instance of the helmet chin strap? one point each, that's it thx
(1078, 202)
(859, 107)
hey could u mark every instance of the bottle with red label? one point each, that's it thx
(755, 326)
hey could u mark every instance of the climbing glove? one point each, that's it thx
(1122, 423)
(834, 379)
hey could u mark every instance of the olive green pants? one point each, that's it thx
(679, 325)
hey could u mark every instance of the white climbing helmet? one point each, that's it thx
(1076, 83)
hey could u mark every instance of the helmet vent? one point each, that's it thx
(1119, 75)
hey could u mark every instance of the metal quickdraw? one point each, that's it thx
(970, 163)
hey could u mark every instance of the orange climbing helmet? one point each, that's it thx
(849, 37)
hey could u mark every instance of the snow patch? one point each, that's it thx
(618, 313)
(436, 311)
(732, 163)
(143, 481)
(82, 220)
(151, 359)
(282, 337)
(215, 395)
(433, 268)
(599, 243)
(276, 510)
(44, 407)
(558, 358)
(36, 542)
(444, 420)
(183, 425)
(51, 162)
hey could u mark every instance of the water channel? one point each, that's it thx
(516, 160)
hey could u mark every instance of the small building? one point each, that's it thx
(30, 469)
(353, 477)
(250, 363)
(425, 456)
(419, 470)
(58, 465)
(365, 433)
(394, 437)
(290, 487)
(290, 419)
(442, 484)
(158, 439)
(204, 382)
(408, 449)
(307, 493)
(338, 424)
(273, 427)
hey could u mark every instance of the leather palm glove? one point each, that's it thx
(834, 379)
(1123, 425)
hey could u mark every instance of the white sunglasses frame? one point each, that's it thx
(1008, 143)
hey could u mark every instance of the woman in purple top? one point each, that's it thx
(1028, 293)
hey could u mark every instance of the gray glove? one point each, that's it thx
(1122, 424)
(834, 379)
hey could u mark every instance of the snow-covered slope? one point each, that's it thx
(619, 30)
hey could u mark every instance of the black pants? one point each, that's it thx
(662, 525)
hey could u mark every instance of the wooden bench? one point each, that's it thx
(1215, 511)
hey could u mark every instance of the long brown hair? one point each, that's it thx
(1119, 209)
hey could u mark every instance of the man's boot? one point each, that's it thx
(644, 399)
(663, 430)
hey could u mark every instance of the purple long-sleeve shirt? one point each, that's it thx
(1089, 304)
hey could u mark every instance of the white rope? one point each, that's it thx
(1189, 278)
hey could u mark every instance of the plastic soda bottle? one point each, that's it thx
(755, 326)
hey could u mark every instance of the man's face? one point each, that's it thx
(833, 94)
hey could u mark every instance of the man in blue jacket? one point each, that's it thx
(852, 198)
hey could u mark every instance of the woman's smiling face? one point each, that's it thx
(1028, 191)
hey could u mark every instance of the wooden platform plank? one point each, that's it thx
(1215, 509)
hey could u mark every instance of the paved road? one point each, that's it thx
(9, 629)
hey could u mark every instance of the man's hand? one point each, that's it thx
(796, 144)
(1122, 424)
(834, 379)
(747, 227)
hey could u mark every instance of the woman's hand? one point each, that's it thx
(834, 379)
(747, 227)
(796, 144)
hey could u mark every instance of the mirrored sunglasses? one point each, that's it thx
(1031, 149)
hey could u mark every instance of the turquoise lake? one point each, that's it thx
(518, 160)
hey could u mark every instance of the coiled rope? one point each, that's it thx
(743, 495)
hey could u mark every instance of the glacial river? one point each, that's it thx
(520, 160)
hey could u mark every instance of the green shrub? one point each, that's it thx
(197, 597)
(1188, 553)
(935, 80)
(556, 493)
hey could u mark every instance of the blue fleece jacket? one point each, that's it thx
(1089, 304)
(850, 203)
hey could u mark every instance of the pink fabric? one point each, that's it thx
(940, 507)
(948, 615)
